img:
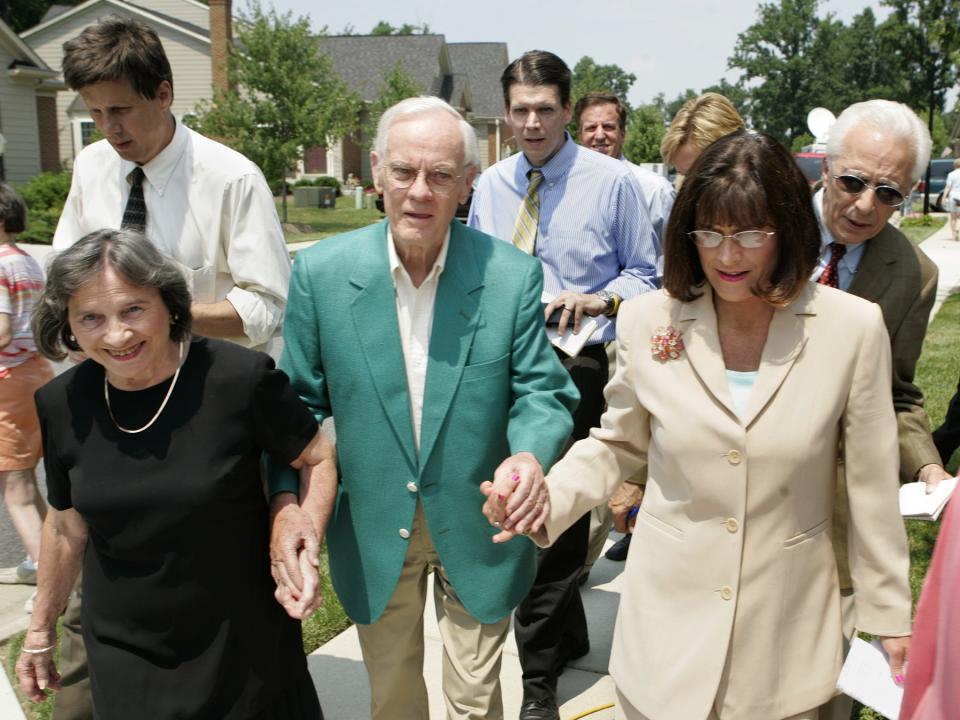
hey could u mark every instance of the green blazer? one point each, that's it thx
(494, 387)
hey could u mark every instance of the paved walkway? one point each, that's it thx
(337, 667)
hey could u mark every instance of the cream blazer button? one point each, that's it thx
(732, 525)
(726, 592)
(734, 457)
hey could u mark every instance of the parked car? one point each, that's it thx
(811, 165)
(939, 169)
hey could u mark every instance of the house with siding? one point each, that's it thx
(28, 91)
(467, 75)
(197, 55)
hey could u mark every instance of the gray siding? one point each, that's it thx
(189, 11)
(18, 123)
(189, 60)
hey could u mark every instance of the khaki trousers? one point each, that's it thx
(625, 711)
(840, 706)
(393, 646)
(74, 701)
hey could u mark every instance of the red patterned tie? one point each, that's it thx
(830, 276)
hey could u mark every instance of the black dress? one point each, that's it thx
(179, 617)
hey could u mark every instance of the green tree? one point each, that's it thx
(22, 15)
(397, 85)
(285, 95)
(777, 55)
(587, 76)
(645, 131)
(385, 28)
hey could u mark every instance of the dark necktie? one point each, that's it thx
(135, 214)
(831, 274)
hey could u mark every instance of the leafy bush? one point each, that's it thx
(921, 221)
(45, 195)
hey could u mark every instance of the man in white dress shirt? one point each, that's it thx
(602, 126)
(201, 203)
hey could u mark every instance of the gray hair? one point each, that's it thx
(889, 117)
(132, 256)
(422, 105)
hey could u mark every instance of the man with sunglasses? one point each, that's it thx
(876, 153)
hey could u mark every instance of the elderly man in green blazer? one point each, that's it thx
(425, 341)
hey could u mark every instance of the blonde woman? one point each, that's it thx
(701, 121)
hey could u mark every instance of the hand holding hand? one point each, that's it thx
(294, 551)
(518, 500)
(897, 649)
(627, 496)
(575, 305)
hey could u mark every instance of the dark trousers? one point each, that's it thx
(947, 436)
(550, 624)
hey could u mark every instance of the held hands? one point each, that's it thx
(294, 551)
(897, 649)
(35, 668)
(575, 306)
(518, 501)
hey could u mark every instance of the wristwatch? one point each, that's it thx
(612, 301)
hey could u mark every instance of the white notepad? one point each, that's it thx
(866, 678)
(915, 504)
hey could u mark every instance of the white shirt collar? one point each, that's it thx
(159, 170)
(397, 266)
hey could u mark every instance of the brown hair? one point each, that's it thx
(13, 210)
(117, 48)
(747, 180)
(537, 67)
(701, 121)
(601, 98)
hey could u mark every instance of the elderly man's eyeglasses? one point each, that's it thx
(884, 193)
(438, 180)
(747, 239)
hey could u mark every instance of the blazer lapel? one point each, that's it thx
(872, 276)
(374, 315)
(785, 340)
(702, 346)
(455, 316)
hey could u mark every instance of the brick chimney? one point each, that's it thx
(221, 38)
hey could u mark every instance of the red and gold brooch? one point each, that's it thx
(666, 343)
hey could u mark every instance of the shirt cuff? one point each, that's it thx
(260, 314)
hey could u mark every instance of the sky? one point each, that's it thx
(670, 45)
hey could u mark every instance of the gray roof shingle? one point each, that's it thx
(483, 63)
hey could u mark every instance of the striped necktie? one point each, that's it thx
(525, 229)
(831, 273)
(135, 214)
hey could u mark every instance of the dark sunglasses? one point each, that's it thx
(884, 193)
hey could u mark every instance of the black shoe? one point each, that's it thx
(539, 710)
(618, 552)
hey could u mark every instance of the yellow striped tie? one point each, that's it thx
(525, 229)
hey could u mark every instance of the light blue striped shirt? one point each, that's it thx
(594, 231)
(847, 267)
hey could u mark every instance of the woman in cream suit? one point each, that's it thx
(741, 386)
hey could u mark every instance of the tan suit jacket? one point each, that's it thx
(731, 596)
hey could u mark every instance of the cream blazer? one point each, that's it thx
(730, 595)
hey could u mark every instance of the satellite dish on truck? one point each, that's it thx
(819, 121)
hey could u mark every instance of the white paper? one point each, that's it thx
(569, 342)
(866, 678)
(916, 504)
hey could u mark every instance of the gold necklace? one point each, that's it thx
(106, 396)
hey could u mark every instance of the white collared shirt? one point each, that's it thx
(208, 207)
(415, 318)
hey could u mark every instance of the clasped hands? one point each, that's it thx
(518, 501)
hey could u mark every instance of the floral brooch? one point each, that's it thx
(666, 343)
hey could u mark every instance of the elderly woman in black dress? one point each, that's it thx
(152, 449)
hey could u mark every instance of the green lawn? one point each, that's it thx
(319, 223)
(919, 227)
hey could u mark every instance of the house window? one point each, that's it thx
(88, 132)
